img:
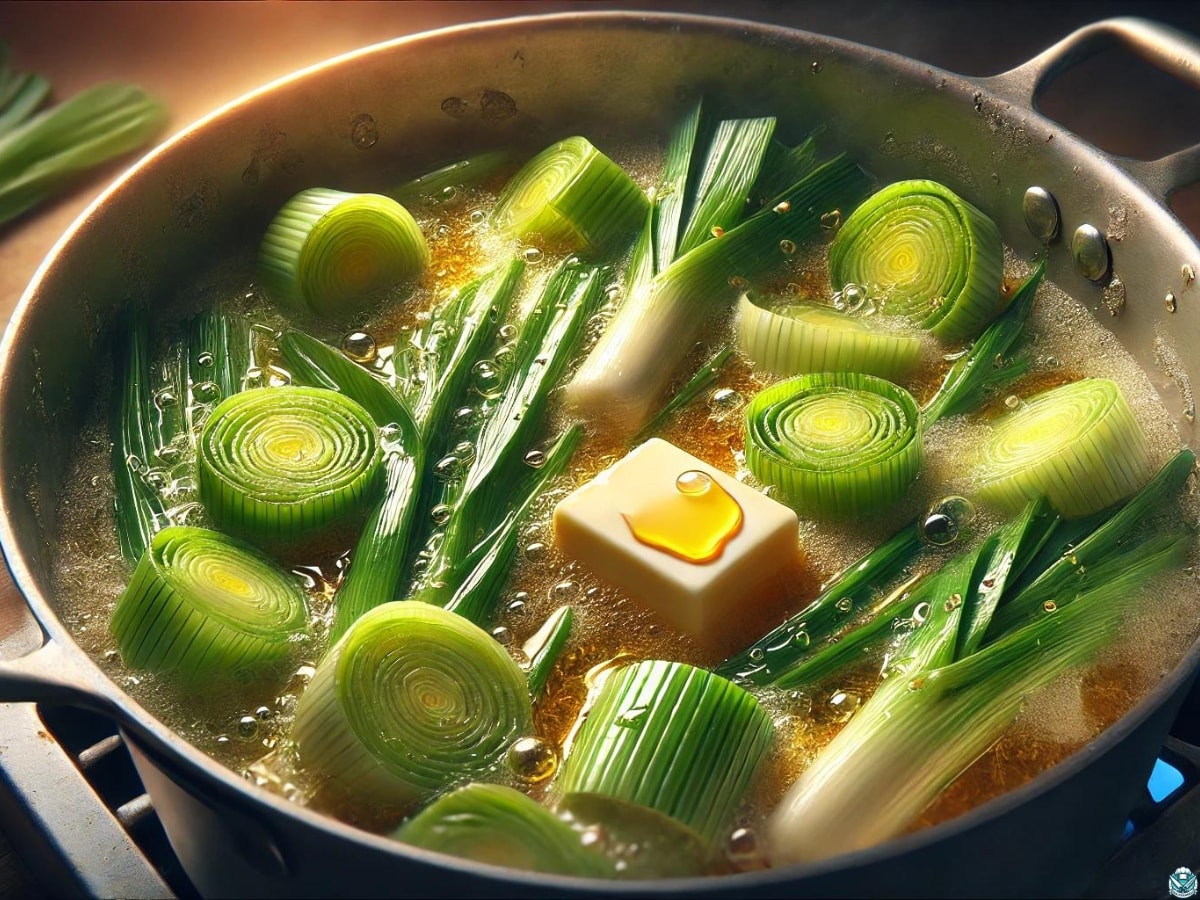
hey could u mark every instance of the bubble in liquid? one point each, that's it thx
(487, 378)
(944, 520)
(1012, 401)
(247, 727)
(1170, 302)
(743, 848)
(532, 255)
(531, 759)
(788, 247)
(535, 458)
(205, 360)
(503, 636)
(845, 605)
(725, 398)
(206, 392)
(693, 482)
(1050, 606)
(564, 590)
(360, 347)
(593, 836)
(440, 514)
(535, 550)
(463, 416)
(815, 68)
(844, 704)
(757, 655)
(166, 400)
(478, 217)
(448, 468)
(831, 220)
(263, 713)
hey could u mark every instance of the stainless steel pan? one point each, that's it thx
(409, 103)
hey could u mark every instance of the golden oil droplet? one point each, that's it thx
(694, 522)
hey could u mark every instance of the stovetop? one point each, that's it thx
(71, 805)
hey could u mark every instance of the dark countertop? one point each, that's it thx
(199, 55)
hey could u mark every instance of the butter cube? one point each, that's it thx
(699, 564)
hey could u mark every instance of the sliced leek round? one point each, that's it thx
(201, 603)
(278, 463)
(494, 824)
(929, 256)
(671, 737)
(411, 700)
(574, 197)
(1079, 444)
(835, 444)
(331, 253)
(802, 338)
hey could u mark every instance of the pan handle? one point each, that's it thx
(51, 674)
(1164, 47)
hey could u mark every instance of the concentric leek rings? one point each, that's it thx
(331, 253)
(930, 255)
(573, 196)
(411, 700)
(200, 602)
(1079, 444)
(277, 463)
(835, 444)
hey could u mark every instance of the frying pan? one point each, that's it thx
(408, 104)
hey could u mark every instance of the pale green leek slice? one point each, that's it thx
(835, 444)
(201, 603)
(410, 701)
(1079, 444)
(490, 823)
(927, 254)
(574, 197)
(802, 338)
(278, 463)
(671, 737)
(332, 253)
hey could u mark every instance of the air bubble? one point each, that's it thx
(845, 605)
(532, 255)
(844, 704)
(943, 521)
(205, 360)
(531, 759)
(1012, 401)
(535, 459)
(166, 400)
(206, 392)
(564, 590)
(448, 468)
(463, 416)
(693, 481)
(743, 848)
(487, 379)
(1170, 302)
(247, 728)
(1050, 606)
(359, 346)
(503, 636)
(477, 217)
(832, 220)
(757, 655)
(440, 514)
(788, 247)
(535, 550)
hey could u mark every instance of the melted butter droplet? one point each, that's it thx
(693, 522)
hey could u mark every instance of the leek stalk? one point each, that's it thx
(545, 647)
(705, 377)
(679, 171)
(411, 700)
(622, 379)
(202, 604)
(451, 178)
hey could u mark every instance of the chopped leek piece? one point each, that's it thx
(975, 373)
(930, 255)
(835, 444)
(625, 375)
(202, 604)
(574, 196)
(546, 646)
(920, 731)
(802, 338)
(411, 700)
(786, 645)
(23, 94)
(43, 153)
(673, 738)
(278, 463)
(331, 254)
(734, 159)
(639, 842)
(493, 824)
(1079, 444)
(448, 179)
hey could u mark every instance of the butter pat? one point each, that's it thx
(682, 538)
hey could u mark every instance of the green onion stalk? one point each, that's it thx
(573, 196)
(202, 604)
(835, 444)
(276, 464)
(410, 701)
(494, 824)
(21, 94)
(933, 258)
(627, 372)
(676, 739)
(331, 254)
(449, 179)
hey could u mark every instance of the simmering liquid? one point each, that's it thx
(244, 723)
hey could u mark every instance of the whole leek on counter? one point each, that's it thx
(411, 700)
(202, 604)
